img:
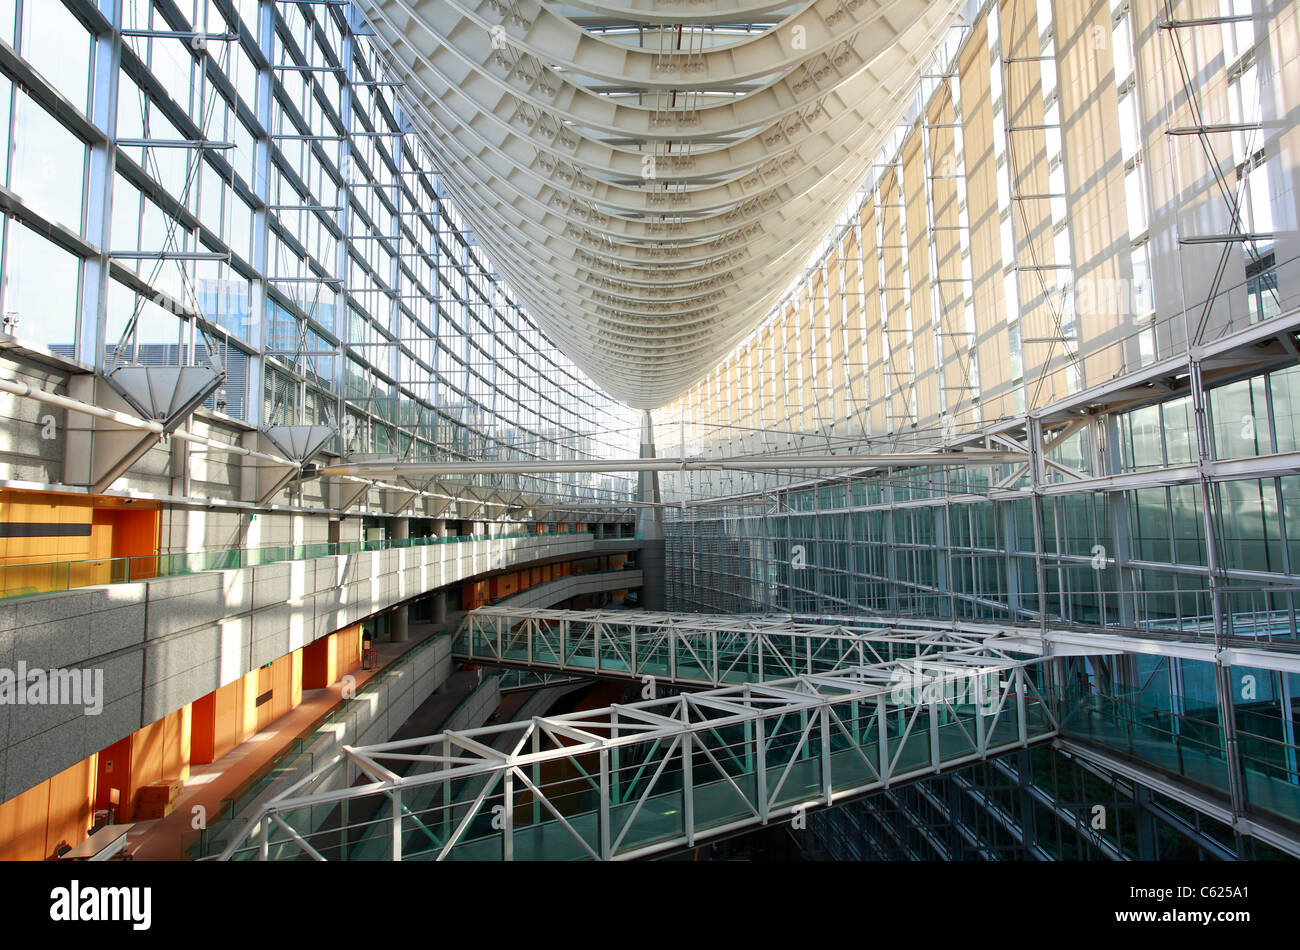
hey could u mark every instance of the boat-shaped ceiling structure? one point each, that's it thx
(651, 175)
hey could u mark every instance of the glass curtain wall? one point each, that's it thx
(1085, 223)
(984, 275)
(236, 179)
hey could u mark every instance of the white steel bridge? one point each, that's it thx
(795, 716)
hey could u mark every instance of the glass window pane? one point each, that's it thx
(48, 165)
(55, 42)
(41, 289)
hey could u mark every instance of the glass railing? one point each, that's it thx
(1272, 779)
(1188, 746)
(1260, 613)
(1181, 745)
(23, 580)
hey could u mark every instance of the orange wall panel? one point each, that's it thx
(70, 812)
(113, 771)
(248, 705)
(146, 763)
(348, 650)
(263, 697)
(39, 508)
(58, 810)
(110, 532)
(330, 658)
(135, 532)
(474, 595)
(177, 743)
(203, 729)
(295, 678)
(282, 686)
(317, 667)
(22, 825)
(101, 535)
(228, 710)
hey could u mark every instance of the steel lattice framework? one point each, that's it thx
(652, 180)
(632, 780)
(715, 650)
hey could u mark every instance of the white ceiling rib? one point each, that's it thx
(650, 176)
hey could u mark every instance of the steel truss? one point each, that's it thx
(687, 650)
(712, 650)
(634, 780)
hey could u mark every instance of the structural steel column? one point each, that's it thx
(399, 628)
(650, 525)
(1212, 524)
(100, 180)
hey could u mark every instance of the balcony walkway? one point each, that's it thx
(220, 787)
(26, 580)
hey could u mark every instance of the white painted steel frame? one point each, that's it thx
(707, 649)
(678, 725)
(651, 206)
(966, 458)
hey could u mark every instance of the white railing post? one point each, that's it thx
(688, 788)
(826, 752)
(397, 824)
(882, 726)
(1020, 705)
(508, 819)
(606, 853)
(934, 730)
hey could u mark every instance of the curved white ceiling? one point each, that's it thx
(651, 175)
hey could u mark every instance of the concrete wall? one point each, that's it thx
(26, 455)
(165, 642)
(475, 708)
(190, 529)
(573, 585)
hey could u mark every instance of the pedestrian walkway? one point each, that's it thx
(210, 785)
